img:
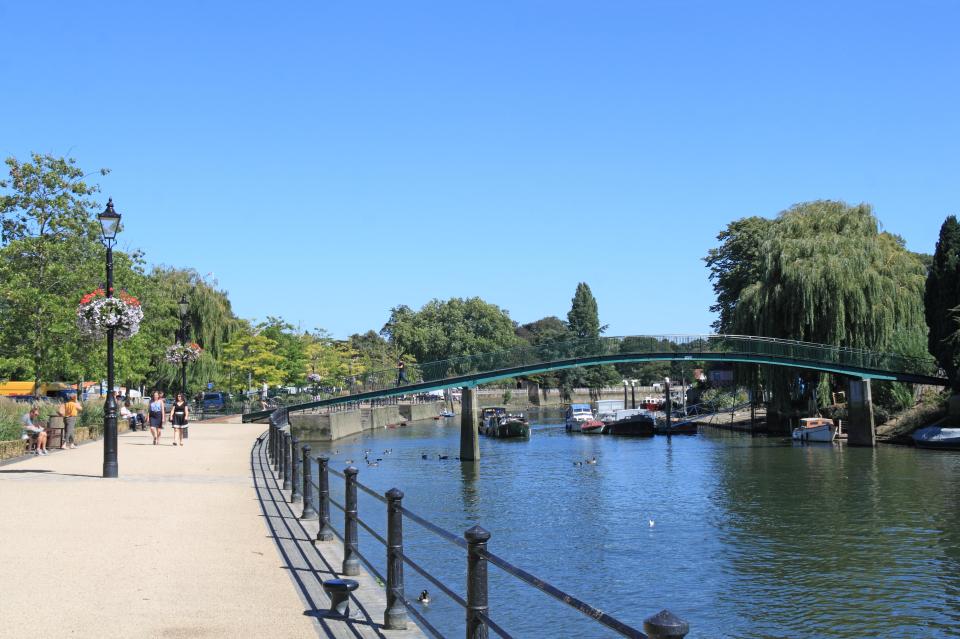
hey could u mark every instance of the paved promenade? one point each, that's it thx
(178, 546)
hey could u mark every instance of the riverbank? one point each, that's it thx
(176, 547)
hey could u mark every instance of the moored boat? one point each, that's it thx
(815, 429)
(591, 427)
(940, 437)
(490, 418)
(512, 426)
(577, 415)
(633, 422)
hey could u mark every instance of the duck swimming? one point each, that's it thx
(424, 598)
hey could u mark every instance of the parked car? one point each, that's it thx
(214, 401)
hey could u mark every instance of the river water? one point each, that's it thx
(741, 536)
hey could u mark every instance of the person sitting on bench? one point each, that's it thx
(33, 433)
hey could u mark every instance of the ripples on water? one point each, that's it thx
(751, 537)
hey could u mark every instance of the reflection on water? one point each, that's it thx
(742, 536)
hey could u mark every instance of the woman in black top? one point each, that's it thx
(179, 416)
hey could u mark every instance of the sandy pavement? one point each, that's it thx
(176, 547)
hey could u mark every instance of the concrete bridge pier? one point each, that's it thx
(469, 435)
(859, 426)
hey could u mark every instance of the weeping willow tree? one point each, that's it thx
(210, 323)
(825, 273)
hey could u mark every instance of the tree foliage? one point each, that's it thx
(821, 272)
(942, 298)
(447, 329)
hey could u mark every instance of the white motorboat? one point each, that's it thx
(815, 429)
(578, 415)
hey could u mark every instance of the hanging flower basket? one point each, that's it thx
(183, 353)
(97, 313)
(314, 378)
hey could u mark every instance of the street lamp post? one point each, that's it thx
(633, 393)
(626, 383)
(184, 307)
(109, 225)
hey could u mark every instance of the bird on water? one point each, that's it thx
(424, 598)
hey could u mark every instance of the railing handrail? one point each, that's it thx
(526, 577)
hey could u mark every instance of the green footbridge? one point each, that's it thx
(530, 360)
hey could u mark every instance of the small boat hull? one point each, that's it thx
(815, 430)
(592, 427)
(513, 429)
(637, 426)
(938, 438)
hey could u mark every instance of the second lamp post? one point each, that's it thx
(184, 307)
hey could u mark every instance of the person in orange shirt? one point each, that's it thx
(70, 412)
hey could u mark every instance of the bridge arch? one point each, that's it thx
(488, 367)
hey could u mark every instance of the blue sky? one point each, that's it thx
(327, 161)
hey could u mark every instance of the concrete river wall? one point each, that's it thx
(334, 426)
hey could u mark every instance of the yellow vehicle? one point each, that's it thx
(15, 390)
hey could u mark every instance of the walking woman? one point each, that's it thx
(179, 417)
(157, 415)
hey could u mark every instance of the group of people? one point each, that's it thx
(35, 433)
(178, 416)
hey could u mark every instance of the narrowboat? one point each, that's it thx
(632, 422)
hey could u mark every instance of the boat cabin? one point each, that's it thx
(579, 412)
(815, 422)
(491, 411)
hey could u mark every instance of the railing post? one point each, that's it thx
(270, 441)
(309, 512)
(395, 616)
(325, 533)
(277, 457)
(295, 470)
(477, 606)
(665, 625)
(351, 565)
(287, 458)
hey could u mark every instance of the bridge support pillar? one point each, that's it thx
(469, 436)
(859, 427)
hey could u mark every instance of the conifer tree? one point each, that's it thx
(942, 296)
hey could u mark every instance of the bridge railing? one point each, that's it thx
(295, 469)
(529, 359)
(610, 347)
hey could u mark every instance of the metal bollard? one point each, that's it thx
(351, 565)
(287, 453)
(477, 604)
(325, 533)
(309, 511)
(395, 616)
(665, 625)
(295, 470)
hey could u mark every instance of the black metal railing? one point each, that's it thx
(294, 467)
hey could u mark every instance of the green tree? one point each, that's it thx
(49, 251)
(252, 358)
(543, 333)
(823, 273)
(453, 328)
(290, 346)
(941, 296)
(735, 265)
(583, 321)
